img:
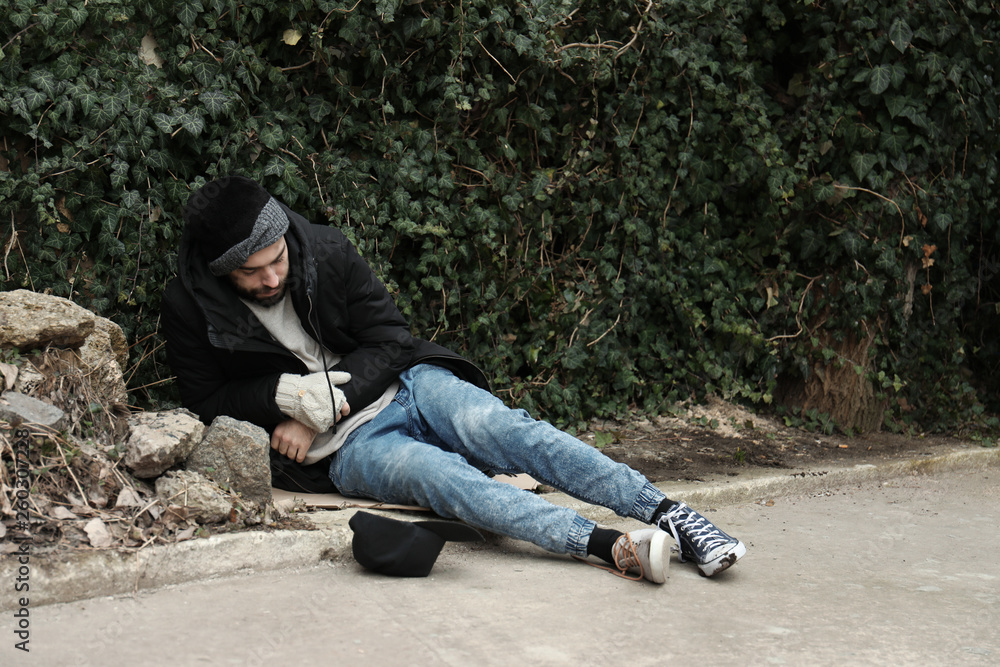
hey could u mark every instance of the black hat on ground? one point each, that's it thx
(404, 548)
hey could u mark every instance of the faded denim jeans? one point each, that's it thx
(431, 444)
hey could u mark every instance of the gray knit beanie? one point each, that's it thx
(231, 218)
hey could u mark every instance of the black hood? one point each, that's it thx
(231, 325)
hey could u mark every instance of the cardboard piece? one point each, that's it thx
(335, 501)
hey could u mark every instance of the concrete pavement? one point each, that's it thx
(878, 564)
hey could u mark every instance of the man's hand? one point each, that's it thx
(315, 400)
(292, 439)
(344, 411)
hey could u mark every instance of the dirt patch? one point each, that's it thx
(60, 494)
(723, 439)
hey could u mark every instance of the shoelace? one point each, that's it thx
(698, 530)
(627, 557)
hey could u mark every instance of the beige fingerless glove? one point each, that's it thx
(306, 398)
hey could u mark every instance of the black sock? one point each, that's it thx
(601, 542)
(665, 506)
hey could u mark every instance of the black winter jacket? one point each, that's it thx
(226, 363)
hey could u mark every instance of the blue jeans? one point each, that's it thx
(431, 444)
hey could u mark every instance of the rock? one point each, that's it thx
(61, 513)
(16, 407)
(28, 379)
(30, 320)
(98, 533)
(105, 353)
(108, 339)
(160, 440)
(235, 453)
(202, 499)
(128, 498)
(9, 373)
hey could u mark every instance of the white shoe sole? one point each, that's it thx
(659, 557)
(723, 562)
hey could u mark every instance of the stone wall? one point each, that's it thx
(62, 372)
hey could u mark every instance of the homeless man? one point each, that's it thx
(281, 323)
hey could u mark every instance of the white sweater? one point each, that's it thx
(283, 323)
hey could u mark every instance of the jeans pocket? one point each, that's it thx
(403, 397)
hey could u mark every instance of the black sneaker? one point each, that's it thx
(700, 540)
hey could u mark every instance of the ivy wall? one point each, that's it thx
(607, 205)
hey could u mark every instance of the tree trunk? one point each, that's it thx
(839, 387)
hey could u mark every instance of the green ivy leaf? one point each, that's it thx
(110, 245)
(119, 174)
(713, 265)
(204, 71)
(886, 260)
(141, 116)
(932, 64)
(896, 104)
(88, 100)
(319, 108)
(188, 13)
(215, 102)
(823, 191)
(157, 159)
(45, 81)
(916, 117)
(813, 243)
(193, 123)
(272, 136)
(275, 167)
(522, 44)
(65, 67)
(34, 98)
(20, 107)
(20, 19)
(115, 104)
(852, 243)
(131, 200)
(900, 35)
(164, 123)
(76, 14)
(862, 164)
(943, 221)
(879, 79)
(700, 191)
(66, 110)
(900, 162)
(893, 143)
(102, 116)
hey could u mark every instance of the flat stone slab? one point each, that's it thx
(30, 320)
(18, 407)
